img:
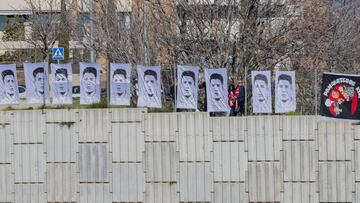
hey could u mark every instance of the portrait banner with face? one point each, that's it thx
(285, 92)
(89, 83)
(120, 84)
(216, 90)
(37, 85)
(61, 75)
(340, 94)
(261, 91)
(149, 84)
(187, 89)
(9, 85)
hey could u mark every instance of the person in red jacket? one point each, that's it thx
(240, 94)
(232, 100)
(236, 98)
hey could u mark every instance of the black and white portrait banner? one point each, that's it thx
(340, 94)
(89, 83)
(149, 81)
(120, 84)
(261, 91)
(285, 92)
(187, 88)
(216, 90)
(9, 86)
(37, 85)
(61, 80)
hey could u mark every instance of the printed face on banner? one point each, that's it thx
(10, 94)
(187, 88)
(119, 79)
(216, 85)
(340, 96)
(90, 83)
(188, 85)
(61, 80)
(150, 79)
(39, 80)
(36, 83)
(120, 84)
(9, 83)
(261, 92)
(62, 85)
(285, 92)
(149, 83)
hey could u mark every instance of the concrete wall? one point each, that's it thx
(128, 155)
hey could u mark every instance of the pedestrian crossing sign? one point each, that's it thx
(58, 53)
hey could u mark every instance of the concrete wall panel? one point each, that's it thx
(6, 183)
(29, 163)
(160, 127)
(228, 128)
(94, 163)
(230, 192)
(61, 182)
(6, 143)
(94, 126)
(161, 162)
(128, 182)
(95, 193)
(30, 193)
(128, 155)
(230, 161)
(161, 193)
(61, 142)
(29, 127)
(264, 138)
(127, 142)
(195, 182)
(194, 139)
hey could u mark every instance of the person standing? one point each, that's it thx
(232, 100)
(240, 92)
(236, 99)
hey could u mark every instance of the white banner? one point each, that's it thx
(149, 80)
(261, 91)
(9, 86)
(285, 92)
(120, 75)
(216, 90)
(89, 83)
(37, 85)
(187, 88)
(61, 75)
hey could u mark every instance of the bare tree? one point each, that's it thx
(241, 35)
(47, 24)
(330, 40)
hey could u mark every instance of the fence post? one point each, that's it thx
(246, 103)
(175, 89)
(316, 91)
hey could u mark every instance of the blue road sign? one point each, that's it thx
(58, 53)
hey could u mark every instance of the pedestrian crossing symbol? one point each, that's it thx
(58, 53)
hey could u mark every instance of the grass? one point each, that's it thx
(294, 113)
(167, 106)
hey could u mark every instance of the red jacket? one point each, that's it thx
(233, 98)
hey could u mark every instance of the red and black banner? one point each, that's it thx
(340, 94)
